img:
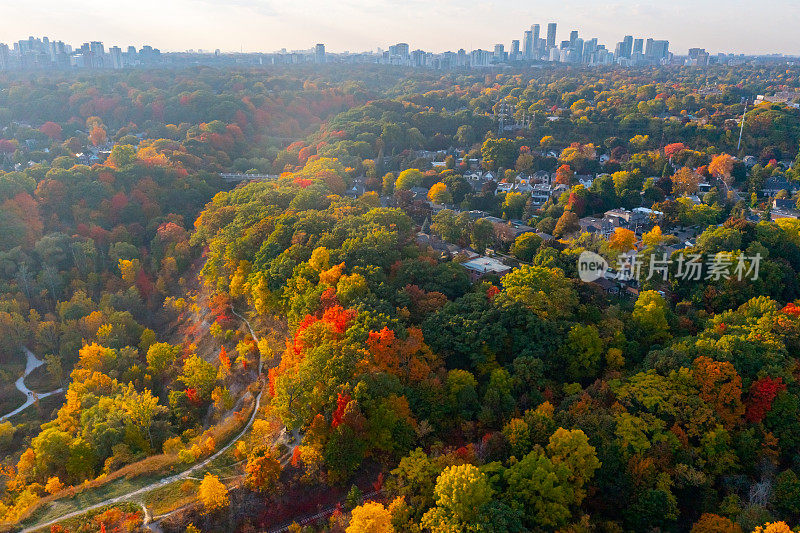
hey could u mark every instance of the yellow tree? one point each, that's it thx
(774, 527)
(711, 523)
(460, 493)
(142, 408)
(653, 237)
(263, 472)
(439, 194)
(213, 494)
(685, 181)
(721, 167)
(622, 240)
(53, 485)
(372, 517)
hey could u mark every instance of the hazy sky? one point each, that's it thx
(764, 26)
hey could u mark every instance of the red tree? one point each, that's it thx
(762, 393)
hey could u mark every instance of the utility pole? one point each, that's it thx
(741, 130)
(502, 118)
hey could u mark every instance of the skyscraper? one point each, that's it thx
(573, 36)
(535, 40)
(402, 49)
(514, 49)
(116, 57)
(499, 55)
(551, 35)
(4, 57)
(319, 53)
(527, 45)
(627, 46)
(638, 46)
(656, 50)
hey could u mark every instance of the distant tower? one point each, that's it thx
(319, 53)
(527, 45)
(573, 36)
(551, 35)
(627, 46)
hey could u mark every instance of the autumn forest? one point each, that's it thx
(348, 298)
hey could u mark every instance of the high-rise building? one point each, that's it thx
(514, 49)
(619, 50)
(399, 49)
(577, 50)
(479, 58)
(551, 35)
(319, 53)
(536, 29)
(573, 36)
(499, 53)
(116, 57)
(527, 45)
(627, 46)
(656, 50)
(98, 54)
(638, 46)
(4, 57)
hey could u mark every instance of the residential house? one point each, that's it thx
(508, 231)
(420, 193)
(634, 219)
(776, 184)
(596, 225)
(504, 187)
(482, 266)
(585, 179)
(542, 176)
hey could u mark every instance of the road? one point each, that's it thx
(31, 364)
(132, 496)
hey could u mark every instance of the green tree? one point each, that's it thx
(161, 355)
(199, 374)
(539, 490)
(142, 409)
(525, 246)
(650, 317)
(582, 352)
(408, 178)
(482, 235)
(498, 153)
(461, 491)
(545, 291)
(465, 135)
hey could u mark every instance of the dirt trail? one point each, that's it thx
(31, 364)
(131, 496)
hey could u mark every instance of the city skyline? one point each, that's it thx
(266, 26)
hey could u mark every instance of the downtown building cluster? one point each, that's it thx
(42, 54)
(534, 48)
(537, 46)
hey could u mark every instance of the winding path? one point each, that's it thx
(167, 480)
(31, 364)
